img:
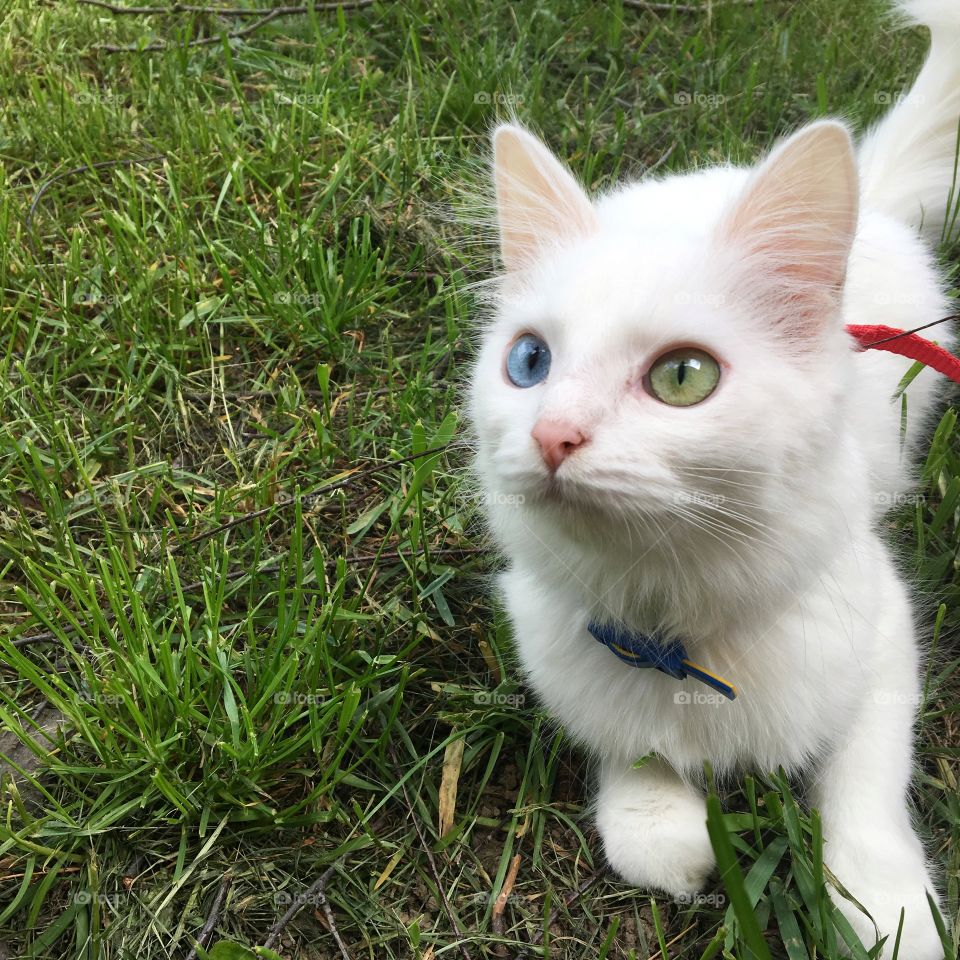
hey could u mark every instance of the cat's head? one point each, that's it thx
(671, 353)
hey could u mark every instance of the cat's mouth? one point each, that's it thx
(564, 490)
(616, 496)
(555, 491)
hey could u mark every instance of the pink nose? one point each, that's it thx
(557, 439)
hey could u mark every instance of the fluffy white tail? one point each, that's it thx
(907, 160)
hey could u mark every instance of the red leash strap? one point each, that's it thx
(876, 336)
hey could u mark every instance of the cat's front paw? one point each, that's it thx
(886, 883)
(659, 843)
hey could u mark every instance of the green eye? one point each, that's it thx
(683, 377)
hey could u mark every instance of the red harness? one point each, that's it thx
(906, 343)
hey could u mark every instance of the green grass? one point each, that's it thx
(262, 647)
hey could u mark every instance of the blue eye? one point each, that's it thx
(528, 361)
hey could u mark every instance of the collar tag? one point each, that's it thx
(667, 656)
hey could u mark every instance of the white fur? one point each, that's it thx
(747, 525)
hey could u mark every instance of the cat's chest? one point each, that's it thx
(798, 681)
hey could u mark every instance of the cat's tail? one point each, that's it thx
(908, 160)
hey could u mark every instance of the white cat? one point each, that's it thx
(677, 439)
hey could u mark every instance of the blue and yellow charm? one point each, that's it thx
(667, 656)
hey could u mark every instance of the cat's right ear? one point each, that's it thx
(539, 203)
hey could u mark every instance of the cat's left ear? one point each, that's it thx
(539, 203)
(795, 222)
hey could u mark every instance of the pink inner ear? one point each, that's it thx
(798, 240)
(539, 204)
(796, 222)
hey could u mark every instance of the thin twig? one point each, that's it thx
(907, 333)
(265, 15)
(242, 12)
(659, 955)
(392, 555)
(241, 395)
(202, 42)
(212, 918)
(500, 904)
(430, 859)
(316, 891)
(684, 7)
(102, 165)
(328, 913)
